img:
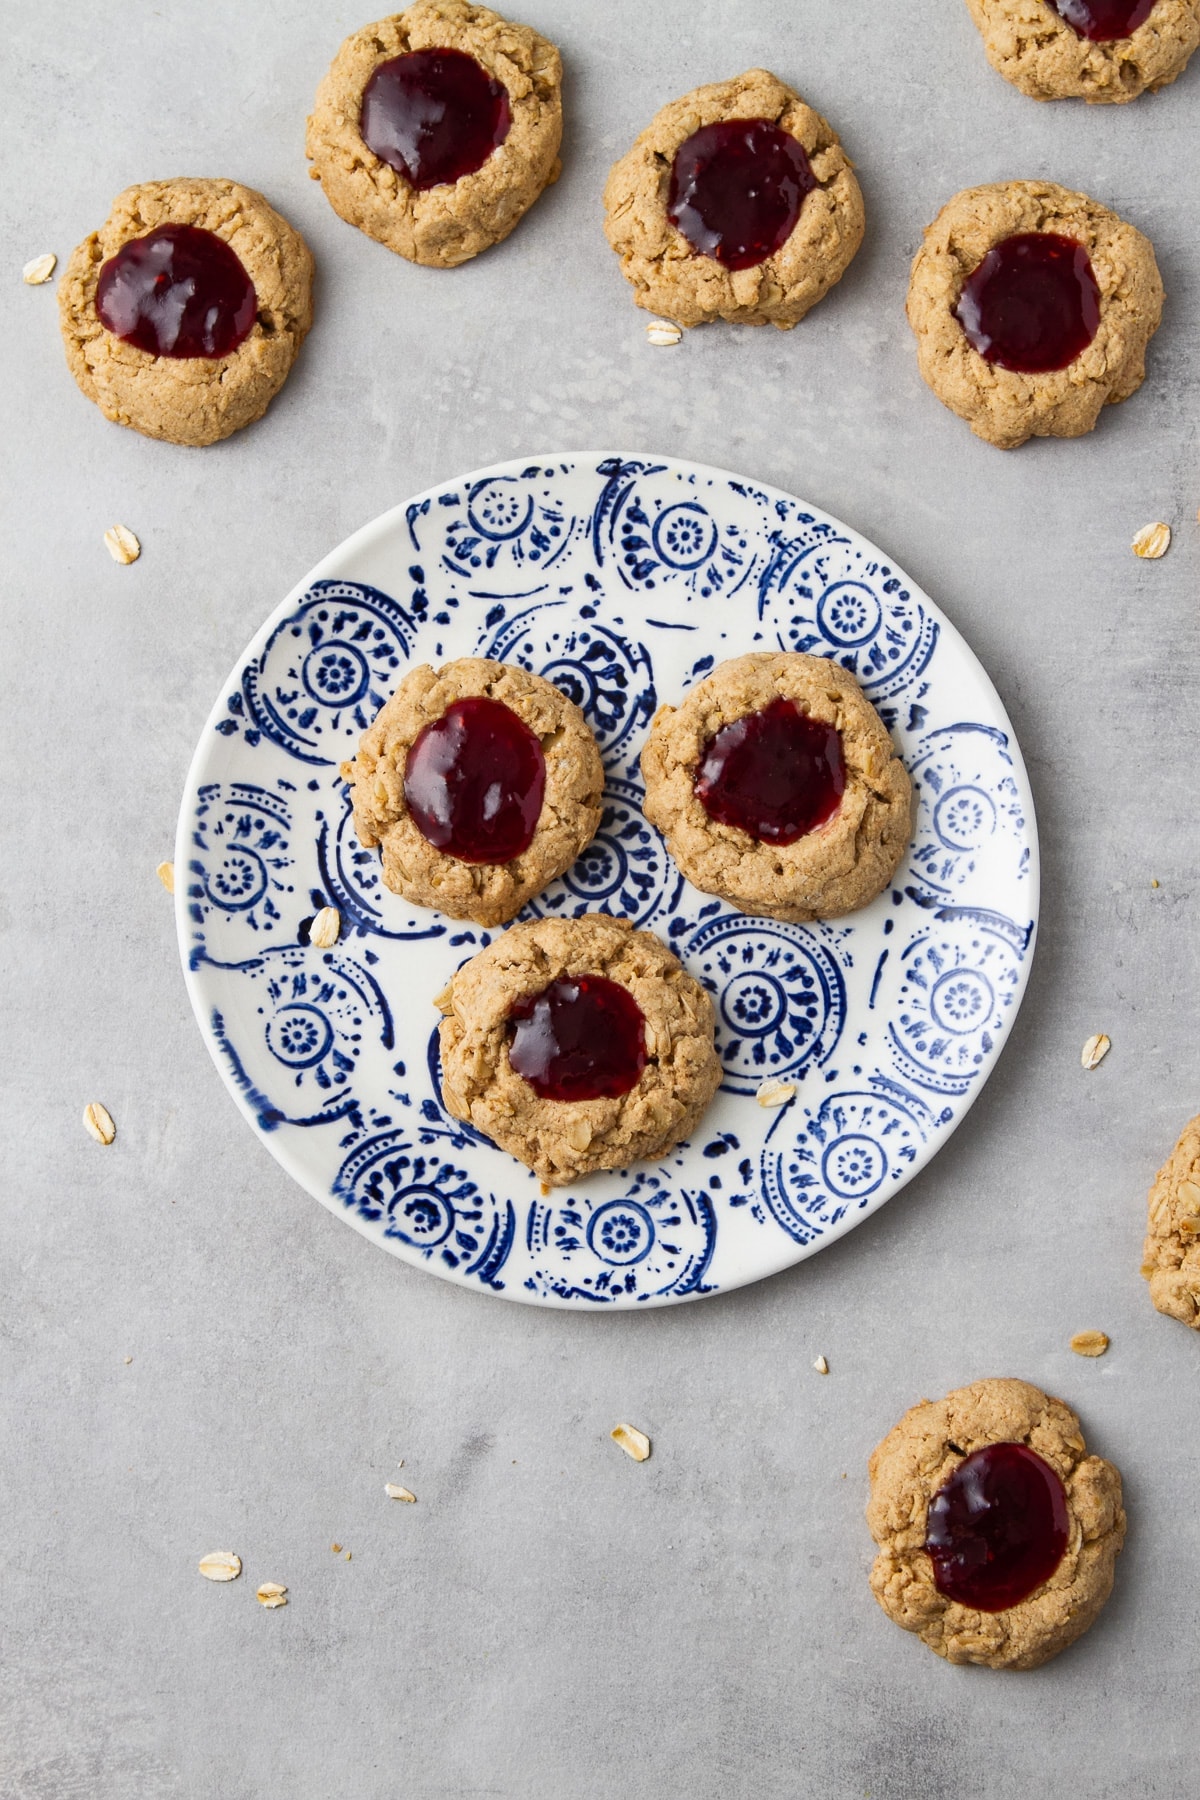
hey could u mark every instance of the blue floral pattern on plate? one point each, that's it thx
(624, 579)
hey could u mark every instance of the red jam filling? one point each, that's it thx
(178, 291)
(775, 774)
(1103, 20)
(433, 116)
(581, 1038)
(997, 1529)
(1032, 304)
(737, 189)
(474, 782)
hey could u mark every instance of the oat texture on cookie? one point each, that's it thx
(488, 892)
(446, 224)
(837, 867)
(1171, 1256)
(564, 1140)
(667, 274)
(1002, 405)
(913, 1464)
(191, 399)
(1033, 44)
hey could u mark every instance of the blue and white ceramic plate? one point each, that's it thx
(623, 579)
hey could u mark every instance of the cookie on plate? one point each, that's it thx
(1032, 307)
(435, 130)
(480, 783)
(576, 1045)
(182, 316)
(737, 202)
(997, 1532)
(1171, 1256)
(776, 786)
(1097, 50)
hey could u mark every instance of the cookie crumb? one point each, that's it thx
(326, 928)
(1152, 541)
(220, 1565)
(633, 1442)
(271, 1594)
(121, 544)
(397, 1493)
(663, 332)
(1153, 882)
(775, 1093)
(35, 273)
(1089, 1343)
(1095, 1050)
(98, 1120)
(336, 1548)
(166, 874)
(821, 1366)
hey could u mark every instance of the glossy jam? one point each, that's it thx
(737, 189)
(474, 782)
(1103, 20)
(1032, 304)
(434, 116)
(178, 291)
(998, 1527)
(775, 774)
(581, 1038)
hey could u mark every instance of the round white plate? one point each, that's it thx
(623, 579)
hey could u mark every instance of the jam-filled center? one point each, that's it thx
(1032, 304)
(775, 774)
(474, 781)
(581, 1038)
(737, 189)
(434, 115)
(179, 291)
(1103, 20)
(998, 1528)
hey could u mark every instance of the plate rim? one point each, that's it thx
(325, 569)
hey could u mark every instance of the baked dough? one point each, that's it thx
(1171, 1257)
(1032, 46)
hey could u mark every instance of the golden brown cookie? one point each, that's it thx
(972, 1522)
(1171, 1256)
(1033, 44)
(832, 867)
(608, 1078)
(528, 734)
(669, 275)
(1004, 405)
(450, 220)
(191, 399)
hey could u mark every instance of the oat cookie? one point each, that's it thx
(191, 399)
(536, 825)
(1171, 1256)
(1122, 298)
(554, 964)
(1033, 45)
(917, 1460)
(833, 868)
(447, 217)
(670, 275)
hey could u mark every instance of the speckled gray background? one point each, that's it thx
(550, 1621)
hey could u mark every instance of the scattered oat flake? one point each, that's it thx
(1153, 883)
(128, 1360)
(775, 1093)
(121, 544)
(347, 1556)
(1089, 1343)
(220, 1565)
(1152, 541)
(821, 1366)
(633, 1442)
(397, 1493)
(39, 270)
(271, 1594)
(663, 332)
(1095, 1050)
(325, 928)
(166, 874)
(98, 1120)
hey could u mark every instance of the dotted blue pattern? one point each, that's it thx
(623, 580)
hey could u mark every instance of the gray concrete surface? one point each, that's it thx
(550, 1621)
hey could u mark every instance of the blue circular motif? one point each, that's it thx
(499, 508)
(961, 1000)
(422, 1200)
(299, 1035)
(625, 870)
(945, 1000)
(621, 1232)
(848, 614)
(971, 811)
(964, 818)
(849, 1149)
(684, 535)
(335, 674)
(853, 1165)
(238, 881)
(420, 1217)
(608, 675)
(780, 997)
